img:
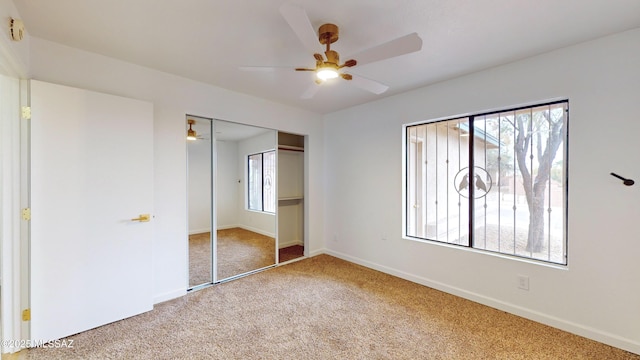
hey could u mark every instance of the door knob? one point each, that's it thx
(143, 218)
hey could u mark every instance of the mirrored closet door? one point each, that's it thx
(200, 214)
(245, 198)
(233, 183)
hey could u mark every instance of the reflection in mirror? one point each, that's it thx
(199, 165)
(245, 198)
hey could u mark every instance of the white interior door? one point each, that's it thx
(91, 173)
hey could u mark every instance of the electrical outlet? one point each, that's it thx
(335, 237)
(523, 282)
(383, 237)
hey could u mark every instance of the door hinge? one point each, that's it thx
(26, 214)
(26, 112)
(26, 315)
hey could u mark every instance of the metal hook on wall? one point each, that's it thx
(625, 181)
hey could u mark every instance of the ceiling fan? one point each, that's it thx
(192, 134)
(328, 66)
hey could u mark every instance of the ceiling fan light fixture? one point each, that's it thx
(191, 134)
(327, 73)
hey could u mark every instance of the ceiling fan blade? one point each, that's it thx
(349, 63)
(400, 46)
(264, 68)
(368, 84)
(297, 18)
(310, 92)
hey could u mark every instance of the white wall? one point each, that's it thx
(199, 191)
(290, 173)
(173, 97)
(260, 222)
(227, 186)
(598, 294)
(290, 185)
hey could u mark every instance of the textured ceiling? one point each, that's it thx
(208, 40)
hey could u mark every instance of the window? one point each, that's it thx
(494, 181)
(261, 189)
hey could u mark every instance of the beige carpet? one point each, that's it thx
(326, 308)
(241, 251)
(200, 259)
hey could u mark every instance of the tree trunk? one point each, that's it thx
(535, 188)
(535, 241)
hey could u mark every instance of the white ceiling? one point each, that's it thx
(207, 40)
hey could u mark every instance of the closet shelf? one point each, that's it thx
(289, 147)
(290, 198)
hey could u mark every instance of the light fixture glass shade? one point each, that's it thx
(327, 73)
(191, 134)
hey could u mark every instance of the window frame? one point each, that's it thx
(262, 177)
(564, 147)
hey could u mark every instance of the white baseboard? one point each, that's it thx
(290, 243)
(259, 231)
(320, 252)
(225, 227)
(169, 296)
(578, 329)
(199, 231)
(255, 230)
